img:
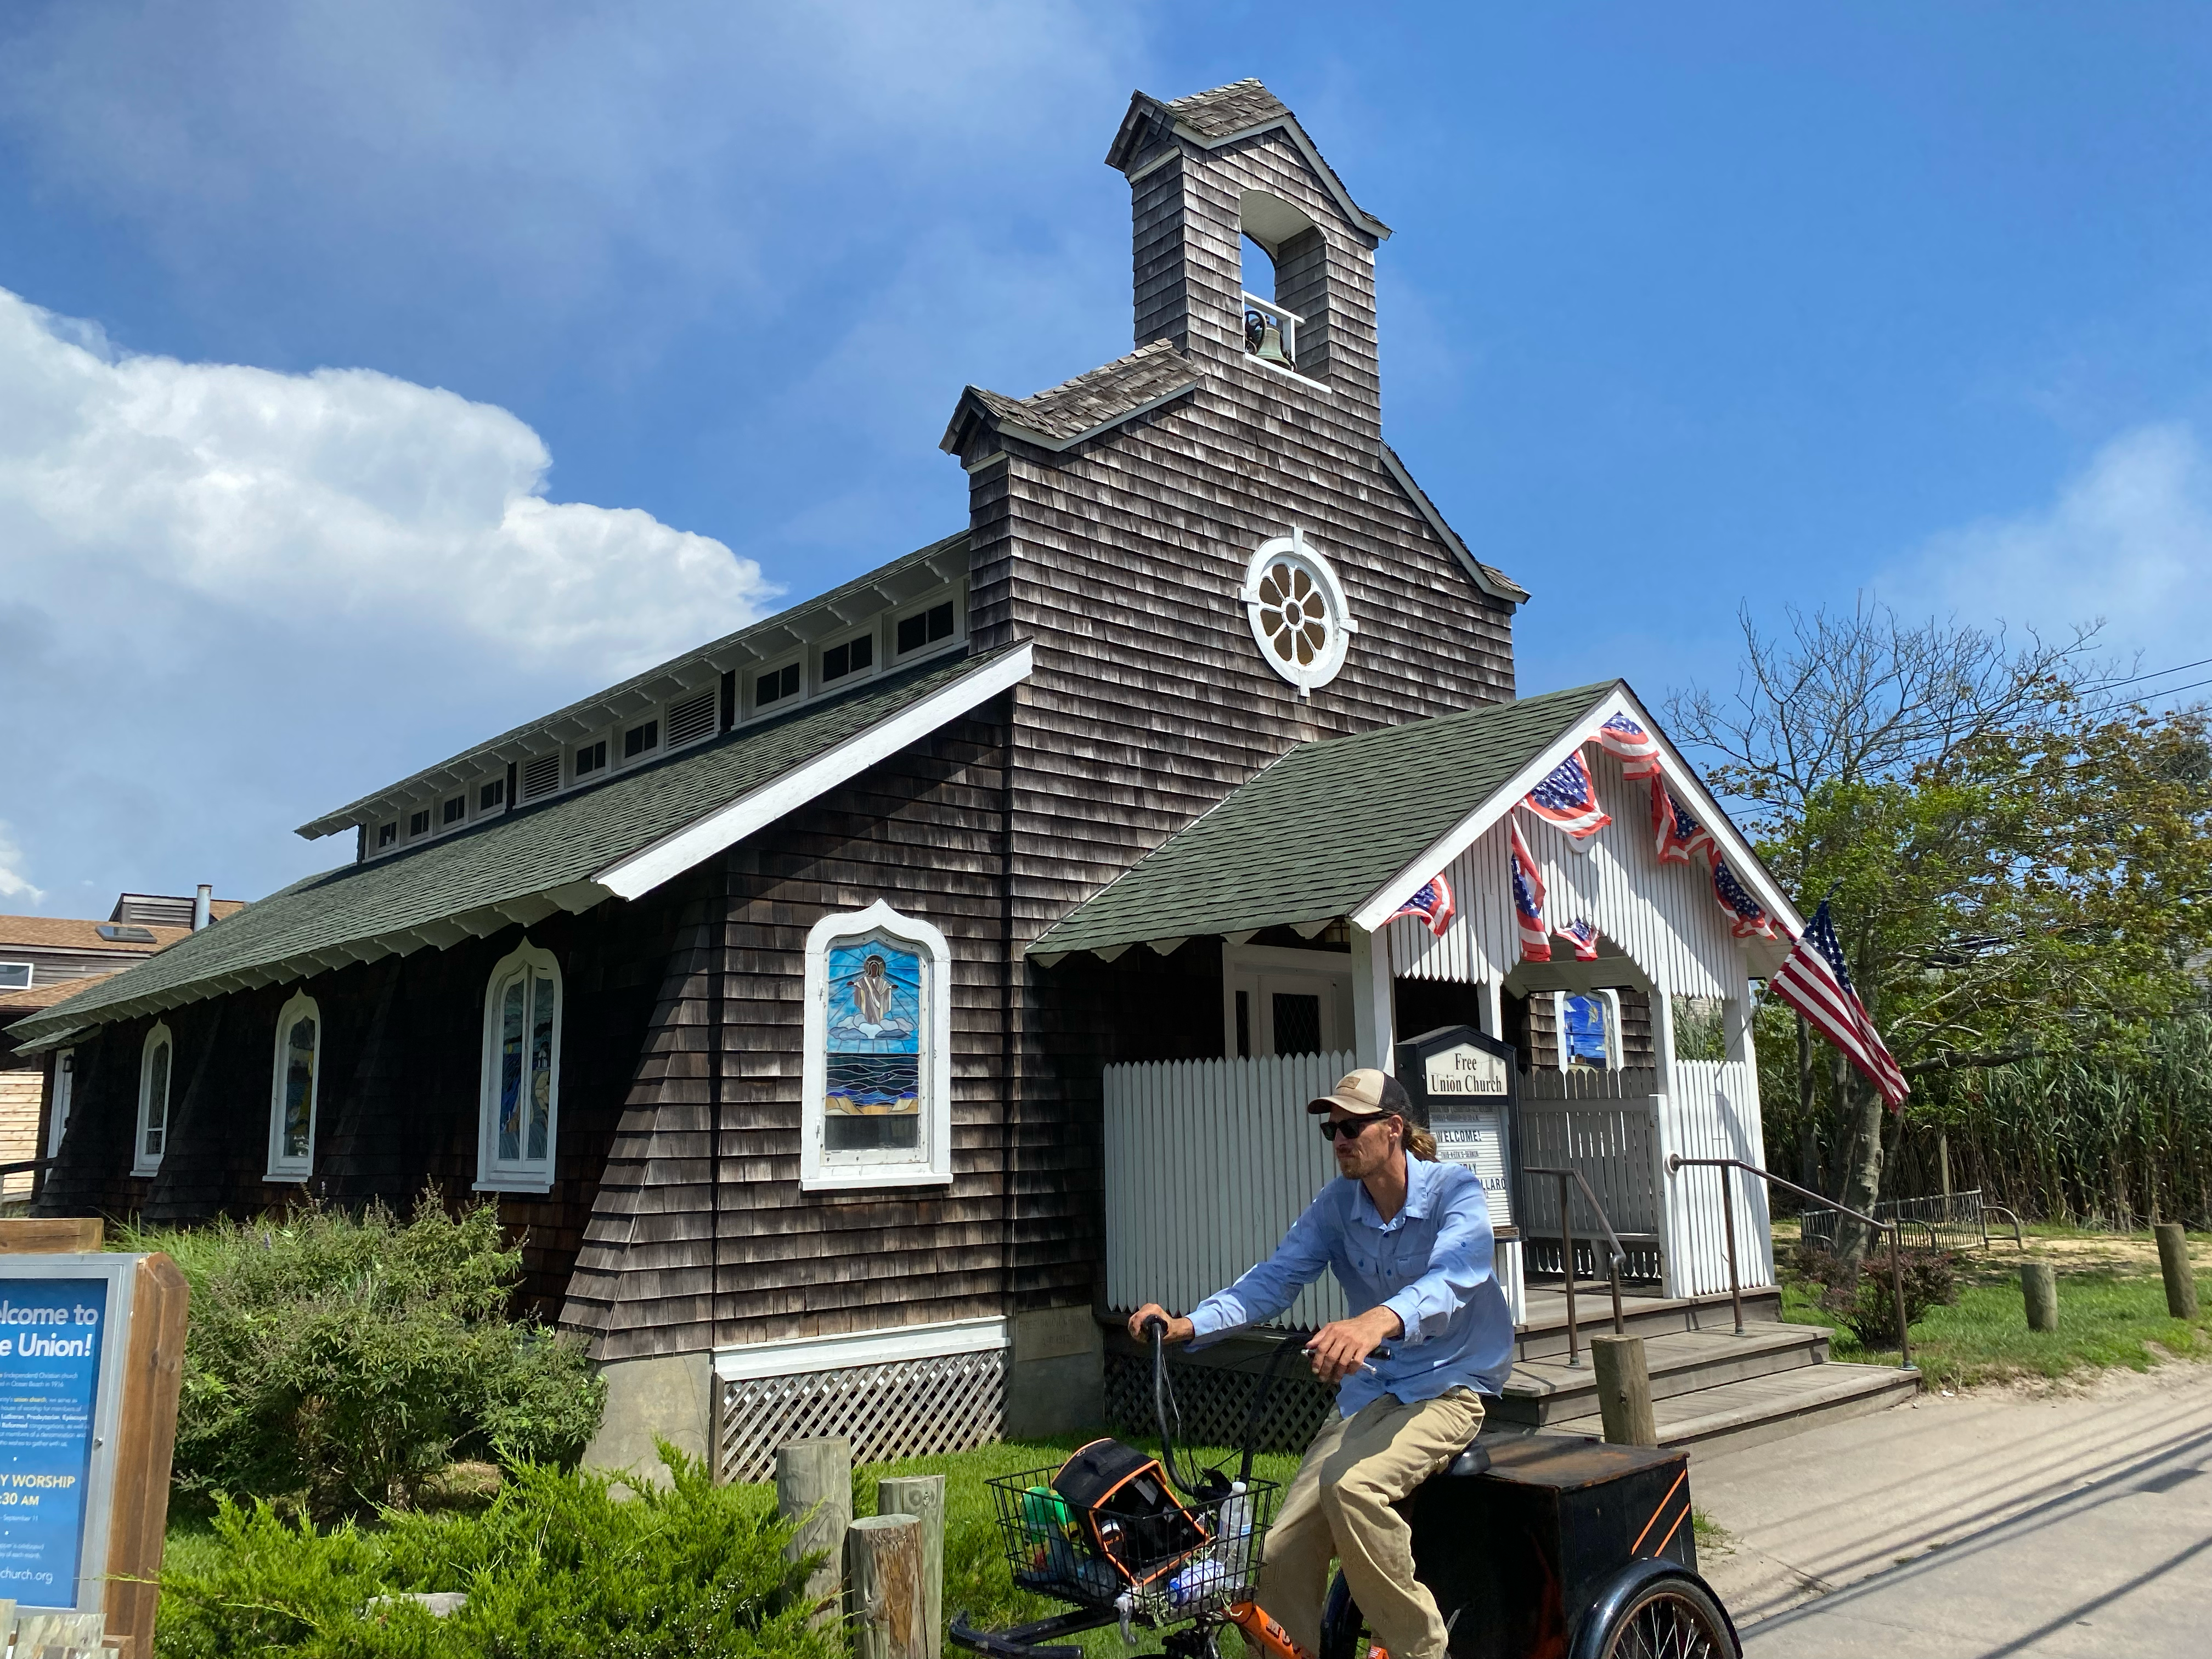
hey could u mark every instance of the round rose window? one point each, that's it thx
(1296, 606)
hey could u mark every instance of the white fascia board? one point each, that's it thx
(1617, 699)
(797, 1356)
(1445, 533)
(638, 873)
(1057, 446)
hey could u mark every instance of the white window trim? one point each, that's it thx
(618, 760)
(822, 1172)
(956, 592)
(1310, 679)
(523, 1177)
(1243, 967)
(282, 1168)
(755, 708)
(1611, 999)
(30, 974)
(873, 634)
(140, 1164)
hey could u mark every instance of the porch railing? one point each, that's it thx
(1619, 1256)
(1952, 1220)
(1676, 1163)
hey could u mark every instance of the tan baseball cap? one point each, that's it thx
(1367, 1092)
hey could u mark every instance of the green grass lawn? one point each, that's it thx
(2111, 1311)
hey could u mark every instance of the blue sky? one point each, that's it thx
(374, 378)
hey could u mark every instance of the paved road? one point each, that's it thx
(1979, 1528)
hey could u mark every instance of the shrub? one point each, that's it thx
(556, 1568)
(1869, 1308)
(337, 1362)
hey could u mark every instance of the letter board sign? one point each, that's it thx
(1466, 1085)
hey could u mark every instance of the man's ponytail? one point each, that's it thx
(1420, 1144)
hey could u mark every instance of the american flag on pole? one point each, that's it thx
(1747, 916)
(1432, 904)
(1674, 833)
(1637, 749)
(1584, 936)
(1529, 901)
(1569, 799)
(1814, 982)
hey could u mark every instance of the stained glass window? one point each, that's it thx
(522, 1017)
(153, 1069)
(299, 1086)
(1586, 1033)
(876, 1070)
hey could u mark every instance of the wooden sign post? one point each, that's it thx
(91, 1363)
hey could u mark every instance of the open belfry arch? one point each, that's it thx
(841, 941)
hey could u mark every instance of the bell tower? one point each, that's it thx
(1209, 171)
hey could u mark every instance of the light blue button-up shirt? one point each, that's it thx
(1431, 1264)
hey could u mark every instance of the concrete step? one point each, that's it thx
(1549, 1390)
(1543, 1334)
(1761, 1408)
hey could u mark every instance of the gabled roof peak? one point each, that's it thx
(1222, 115)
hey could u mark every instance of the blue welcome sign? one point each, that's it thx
(53, 1340)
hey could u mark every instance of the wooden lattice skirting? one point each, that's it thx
(1214, 1402)
(904, 1408)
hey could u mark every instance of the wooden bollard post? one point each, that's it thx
(883, 1554)
(1624, 1390)
(2039, 1283)
(814, 1493)
(923, 1496)
(2173, 1266)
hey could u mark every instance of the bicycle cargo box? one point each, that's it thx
(1129, 1512)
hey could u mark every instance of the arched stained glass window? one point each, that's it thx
(294, 1089)
(157, 1060)
(520, 1105)
(878, 1065)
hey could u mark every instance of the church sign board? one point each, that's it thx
(91, 1346)
(1465, 1081)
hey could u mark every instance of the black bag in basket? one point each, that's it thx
(1129, 1512)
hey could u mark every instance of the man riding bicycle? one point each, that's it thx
(1409, 1239)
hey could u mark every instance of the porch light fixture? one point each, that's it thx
(1297, 610)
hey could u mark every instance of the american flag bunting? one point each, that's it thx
(1433, 904)
(1583, 935)
(1637, 750)
(1529, 901)
(1747, 917)
(1569, 799)
(1674, 833)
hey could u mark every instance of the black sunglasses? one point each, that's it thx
(1350, 1128)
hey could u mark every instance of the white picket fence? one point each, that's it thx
(1208, 1162)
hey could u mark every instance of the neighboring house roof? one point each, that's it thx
(1061, 416)
(66, 933)
(1349, 827)
(1240, 110)
(895, 583)
(620, 838)
(13, 1005)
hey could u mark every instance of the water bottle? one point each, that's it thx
(1236, 1522)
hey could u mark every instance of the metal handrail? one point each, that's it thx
(1675, 1162)
(1567, 1254)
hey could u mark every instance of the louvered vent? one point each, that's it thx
(688, 722)
(541, 776)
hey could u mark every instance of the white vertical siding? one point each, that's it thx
(1207, 1165)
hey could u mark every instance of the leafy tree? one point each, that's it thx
(2016, 861)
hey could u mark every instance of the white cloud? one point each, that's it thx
(2128, 539)
(232, 597)
(13, 883)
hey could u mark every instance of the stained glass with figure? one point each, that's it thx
(872, 1095)
(1586, 1037)
(299, 1087)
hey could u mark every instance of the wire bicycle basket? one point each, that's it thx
(1162, 1557)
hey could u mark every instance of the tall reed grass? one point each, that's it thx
(2108, 1141)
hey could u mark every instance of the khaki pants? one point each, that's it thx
(1338, 1505)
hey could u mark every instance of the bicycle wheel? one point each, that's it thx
(1668, 1618)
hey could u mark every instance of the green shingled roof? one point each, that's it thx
(480, 877)
(1315, 835)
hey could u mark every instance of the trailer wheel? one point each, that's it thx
(1668, 1618)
